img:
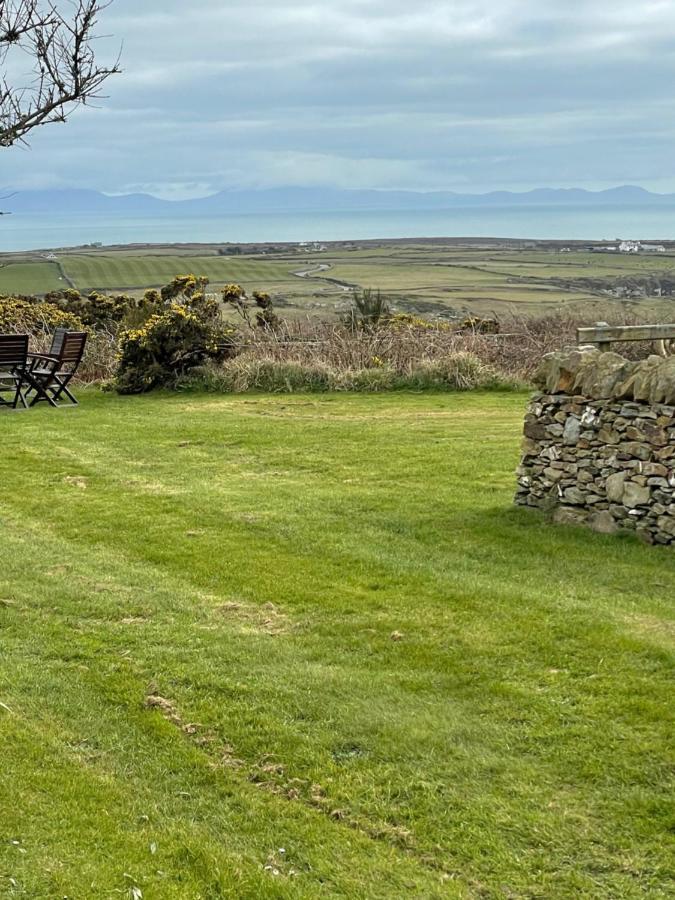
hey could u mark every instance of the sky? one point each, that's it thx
(461, 95)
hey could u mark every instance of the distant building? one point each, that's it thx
(629, 247)
(653, 248)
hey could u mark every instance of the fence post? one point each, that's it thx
(603, 346)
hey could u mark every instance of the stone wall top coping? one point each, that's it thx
(590, 375)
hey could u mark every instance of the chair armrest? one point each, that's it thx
(45, 356)
(35, 359)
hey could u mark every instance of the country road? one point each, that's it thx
(316, 271)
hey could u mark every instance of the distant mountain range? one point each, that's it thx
(313, 199)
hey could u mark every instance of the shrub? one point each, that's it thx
(369, 309)
(457, 372)
(234, 295)
(96, 310)
(167, 347)
(270, 376)
(34, 317)
(249, 372)
(368, 380)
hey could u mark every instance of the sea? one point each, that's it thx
(20, 232)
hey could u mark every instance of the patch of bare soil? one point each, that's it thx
(193, 730)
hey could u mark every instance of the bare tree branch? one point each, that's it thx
(63, 68)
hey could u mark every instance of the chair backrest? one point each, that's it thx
(72, 348)
(57, 341)
(13, 351)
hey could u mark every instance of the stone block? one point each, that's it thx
(603, 523)
(615, 486)
(635, 495)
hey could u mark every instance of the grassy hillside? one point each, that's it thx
(299, 647)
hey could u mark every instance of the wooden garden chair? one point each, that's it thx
(14, 369)
(51, 373)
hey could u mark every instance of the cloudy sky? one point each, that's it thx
(466, 95)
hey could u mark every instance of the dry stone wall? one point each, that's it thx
(599, 444)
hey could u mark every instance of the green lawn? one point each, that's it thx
(303, 647)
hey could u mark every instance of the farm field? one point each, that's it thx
(30, 278)
(433, 279)
(302, 646)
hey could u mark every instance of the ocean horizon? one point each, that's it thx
(33, 231)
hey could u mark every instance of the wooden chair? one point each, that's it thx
(14, 368)
(50, 373)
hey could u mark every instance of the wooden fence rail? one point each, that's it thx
(603, 336)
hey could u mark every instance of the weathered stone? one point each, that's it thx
(551, 453)
(553, 475)
(558, 371)
(606, 375)
(648, 432)
(529, 447)
(635, 450)
(618, 512)
(535, 431)
(603, 523)
(635, 495)
(639, 382)
(609, 435)
(571, 431)
(566, 516)
(575, 496)
(615, 485)
(663, 386)
(653, 470)
(667, 525)
(600, 377)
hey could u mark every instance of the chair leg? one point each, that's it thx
(19, 396)
(63, 383)
(41, 393)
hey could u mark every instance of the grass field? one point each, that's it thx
(304, 647)
(30, 278)
(434, 279)
(109, 272)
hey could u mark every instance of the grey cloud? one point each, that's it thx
(468, 94)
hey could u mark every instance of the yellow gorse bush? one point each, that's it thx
(33, 317)
(168, 345)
